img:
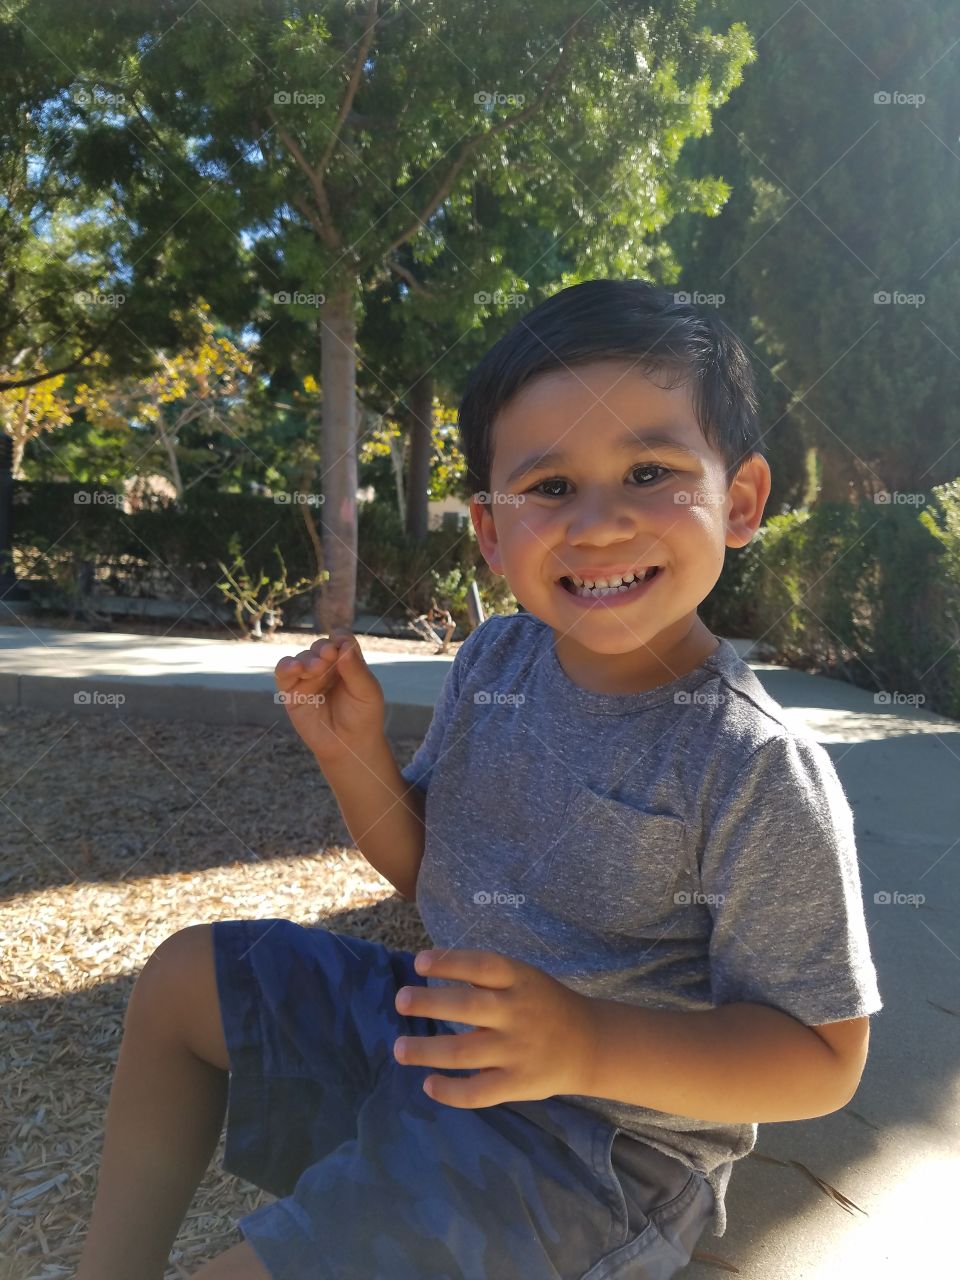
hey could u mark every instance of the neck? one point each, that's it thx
(668, 657)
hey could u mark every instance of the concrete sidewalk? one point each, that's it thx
(181, 678)
(895, 1150)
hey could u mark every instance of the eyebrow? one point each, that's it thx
(554, 457)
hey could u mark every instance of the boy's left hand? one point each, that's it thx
(533, 1035)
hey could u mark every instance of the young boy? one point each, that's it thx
(639, 877)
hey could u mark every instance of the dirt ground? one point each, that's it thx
(112, 838)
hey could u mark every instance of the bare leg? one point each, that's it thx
(165, 1113)
(238, 1263)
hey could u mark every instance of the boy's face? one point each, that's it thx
(612, 508)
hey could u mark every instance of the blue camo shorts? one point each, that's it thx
(377, 1181)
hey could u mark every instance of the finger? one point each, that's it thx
(289, 671)
(482, 968)
(325, 642)
(466, 1051)
(487, 1088)
(471, 1005)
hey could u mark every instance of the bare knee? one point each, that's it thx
(176, 994)
(238, 1263)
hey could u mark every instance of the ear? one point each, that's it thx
(748, 494)
(482, 517)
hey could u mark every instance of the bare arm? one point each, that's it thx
(336, 705)
(383, 813)
(738, 1063)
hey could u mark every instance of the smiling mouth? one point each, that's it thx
(625, 588)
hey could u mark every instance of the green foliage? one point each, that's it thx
(398, 577)
(260, 597)
(860, 591)
(163, 552)
(554, 155)
(824, 215)
(73, 547)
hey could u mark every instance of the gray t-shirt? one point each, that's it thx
(679, 848)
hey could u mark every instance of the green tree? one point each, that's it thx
(285, 163)
(843, 143)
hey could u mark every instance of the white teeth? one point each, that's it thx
(626, 583)
(605, 582)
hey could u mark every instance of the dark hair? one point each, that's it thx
(617, 320)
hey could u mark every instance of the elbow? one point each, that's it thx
(839, 1095)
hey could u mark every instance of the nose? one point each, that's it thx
(600, 518)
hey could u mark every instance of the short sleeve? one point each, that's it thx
(420, 768)
(783, 882)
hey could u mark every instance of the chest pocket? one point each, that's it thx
(612, 867)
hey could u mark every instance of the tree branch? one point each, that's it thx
(351, 90)
(473, 144)
(7, 385)
(411, 279)
(311, 216)
(324, 227)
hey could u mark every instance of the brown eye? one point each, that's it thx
(651, 466)
(644, 466)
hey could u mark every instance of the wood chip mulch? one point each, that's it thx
(113, 835)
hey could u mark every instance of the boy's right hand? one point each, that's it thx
(333, 699)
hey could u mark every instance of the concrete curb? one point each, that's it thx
(190, 703)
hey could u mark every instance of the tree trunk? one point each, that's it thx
(338, 458)
(396, 459)
(421, 447)
(836, 476)
(171, 450)
(19, 448)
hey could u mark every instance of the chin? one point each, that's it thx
(615, 646)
